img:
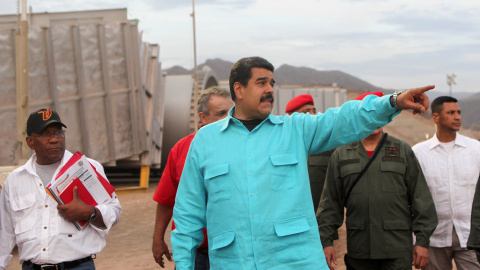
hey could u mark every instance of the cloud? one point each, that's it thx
(453, 23)
(387, 41)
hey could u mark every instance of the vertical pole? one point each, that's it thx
(195, 72)
(21, 74)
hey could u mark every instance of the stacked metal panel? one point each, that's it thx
(93, 68)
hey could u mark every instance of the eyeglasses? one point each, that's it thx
(46, 136)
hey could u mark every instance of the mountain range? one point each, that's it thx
(291, 75)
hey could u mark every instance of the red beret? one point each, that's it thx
(298, 102)
(377, 93)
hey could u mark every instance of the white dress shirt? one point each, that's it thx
(451, 177)
(29, 219)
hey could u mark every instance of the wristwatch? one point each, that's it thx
(393, 101)
(94, 215)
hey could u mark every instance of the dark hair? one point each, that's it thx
(242, 71)
(437, 104)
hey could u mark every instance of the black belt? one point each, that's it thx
(59, 266)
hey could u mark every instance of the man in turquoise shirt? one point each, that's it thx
(245, 178)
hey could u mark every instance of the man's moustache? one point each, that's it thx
(267, 97)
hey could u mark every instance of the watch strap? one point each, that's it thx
(394, 100)
(94, 215)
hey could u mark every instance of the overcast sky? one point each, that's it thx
(389, 43)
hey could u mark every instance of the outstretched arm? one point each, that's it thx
(355, 120)
(414, 99)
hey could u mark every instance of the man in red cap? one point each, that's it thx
(380, 182)
(301, 104)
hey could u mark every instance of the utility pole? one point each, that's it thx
(21, 76)
(451, 80)
(195, 90)
(195, 73)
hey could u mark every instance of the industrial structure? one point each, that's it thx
(108, 87)
(93, 68)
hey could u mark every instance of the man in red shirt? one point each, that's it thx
(213, 104)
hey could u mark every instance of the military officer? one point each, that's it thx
(388, 202)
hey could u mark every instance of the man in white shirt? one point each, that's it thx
(32, 220)
(451, 165)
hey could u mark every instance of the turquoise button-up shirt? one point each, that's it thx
(251, 189)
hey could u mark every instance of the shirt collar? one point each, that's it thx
(30, 164)
(459, 140)
(276, 120)
(353, 145)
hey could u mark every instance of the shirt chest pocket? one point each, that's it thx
(349, 170)
(283, 174)
(217, 182)
(25, 216)
(466, 167)
(393, 176)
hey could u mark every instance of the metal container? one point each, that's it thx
(94, 70)
(181, 117)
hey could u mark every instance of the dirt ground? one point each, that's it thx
(129, 242)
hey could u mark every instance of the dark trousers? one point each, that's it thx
(88, 265)
(201, 261)
(378, 264)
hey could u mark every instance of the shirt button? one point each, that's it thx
(249, 173)
(254, 238)
(44, 249)
(257, 260)
(248, 154)
(40, 184)
(46, 206)
(45, 227)
(253, 216)
(251, 194)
